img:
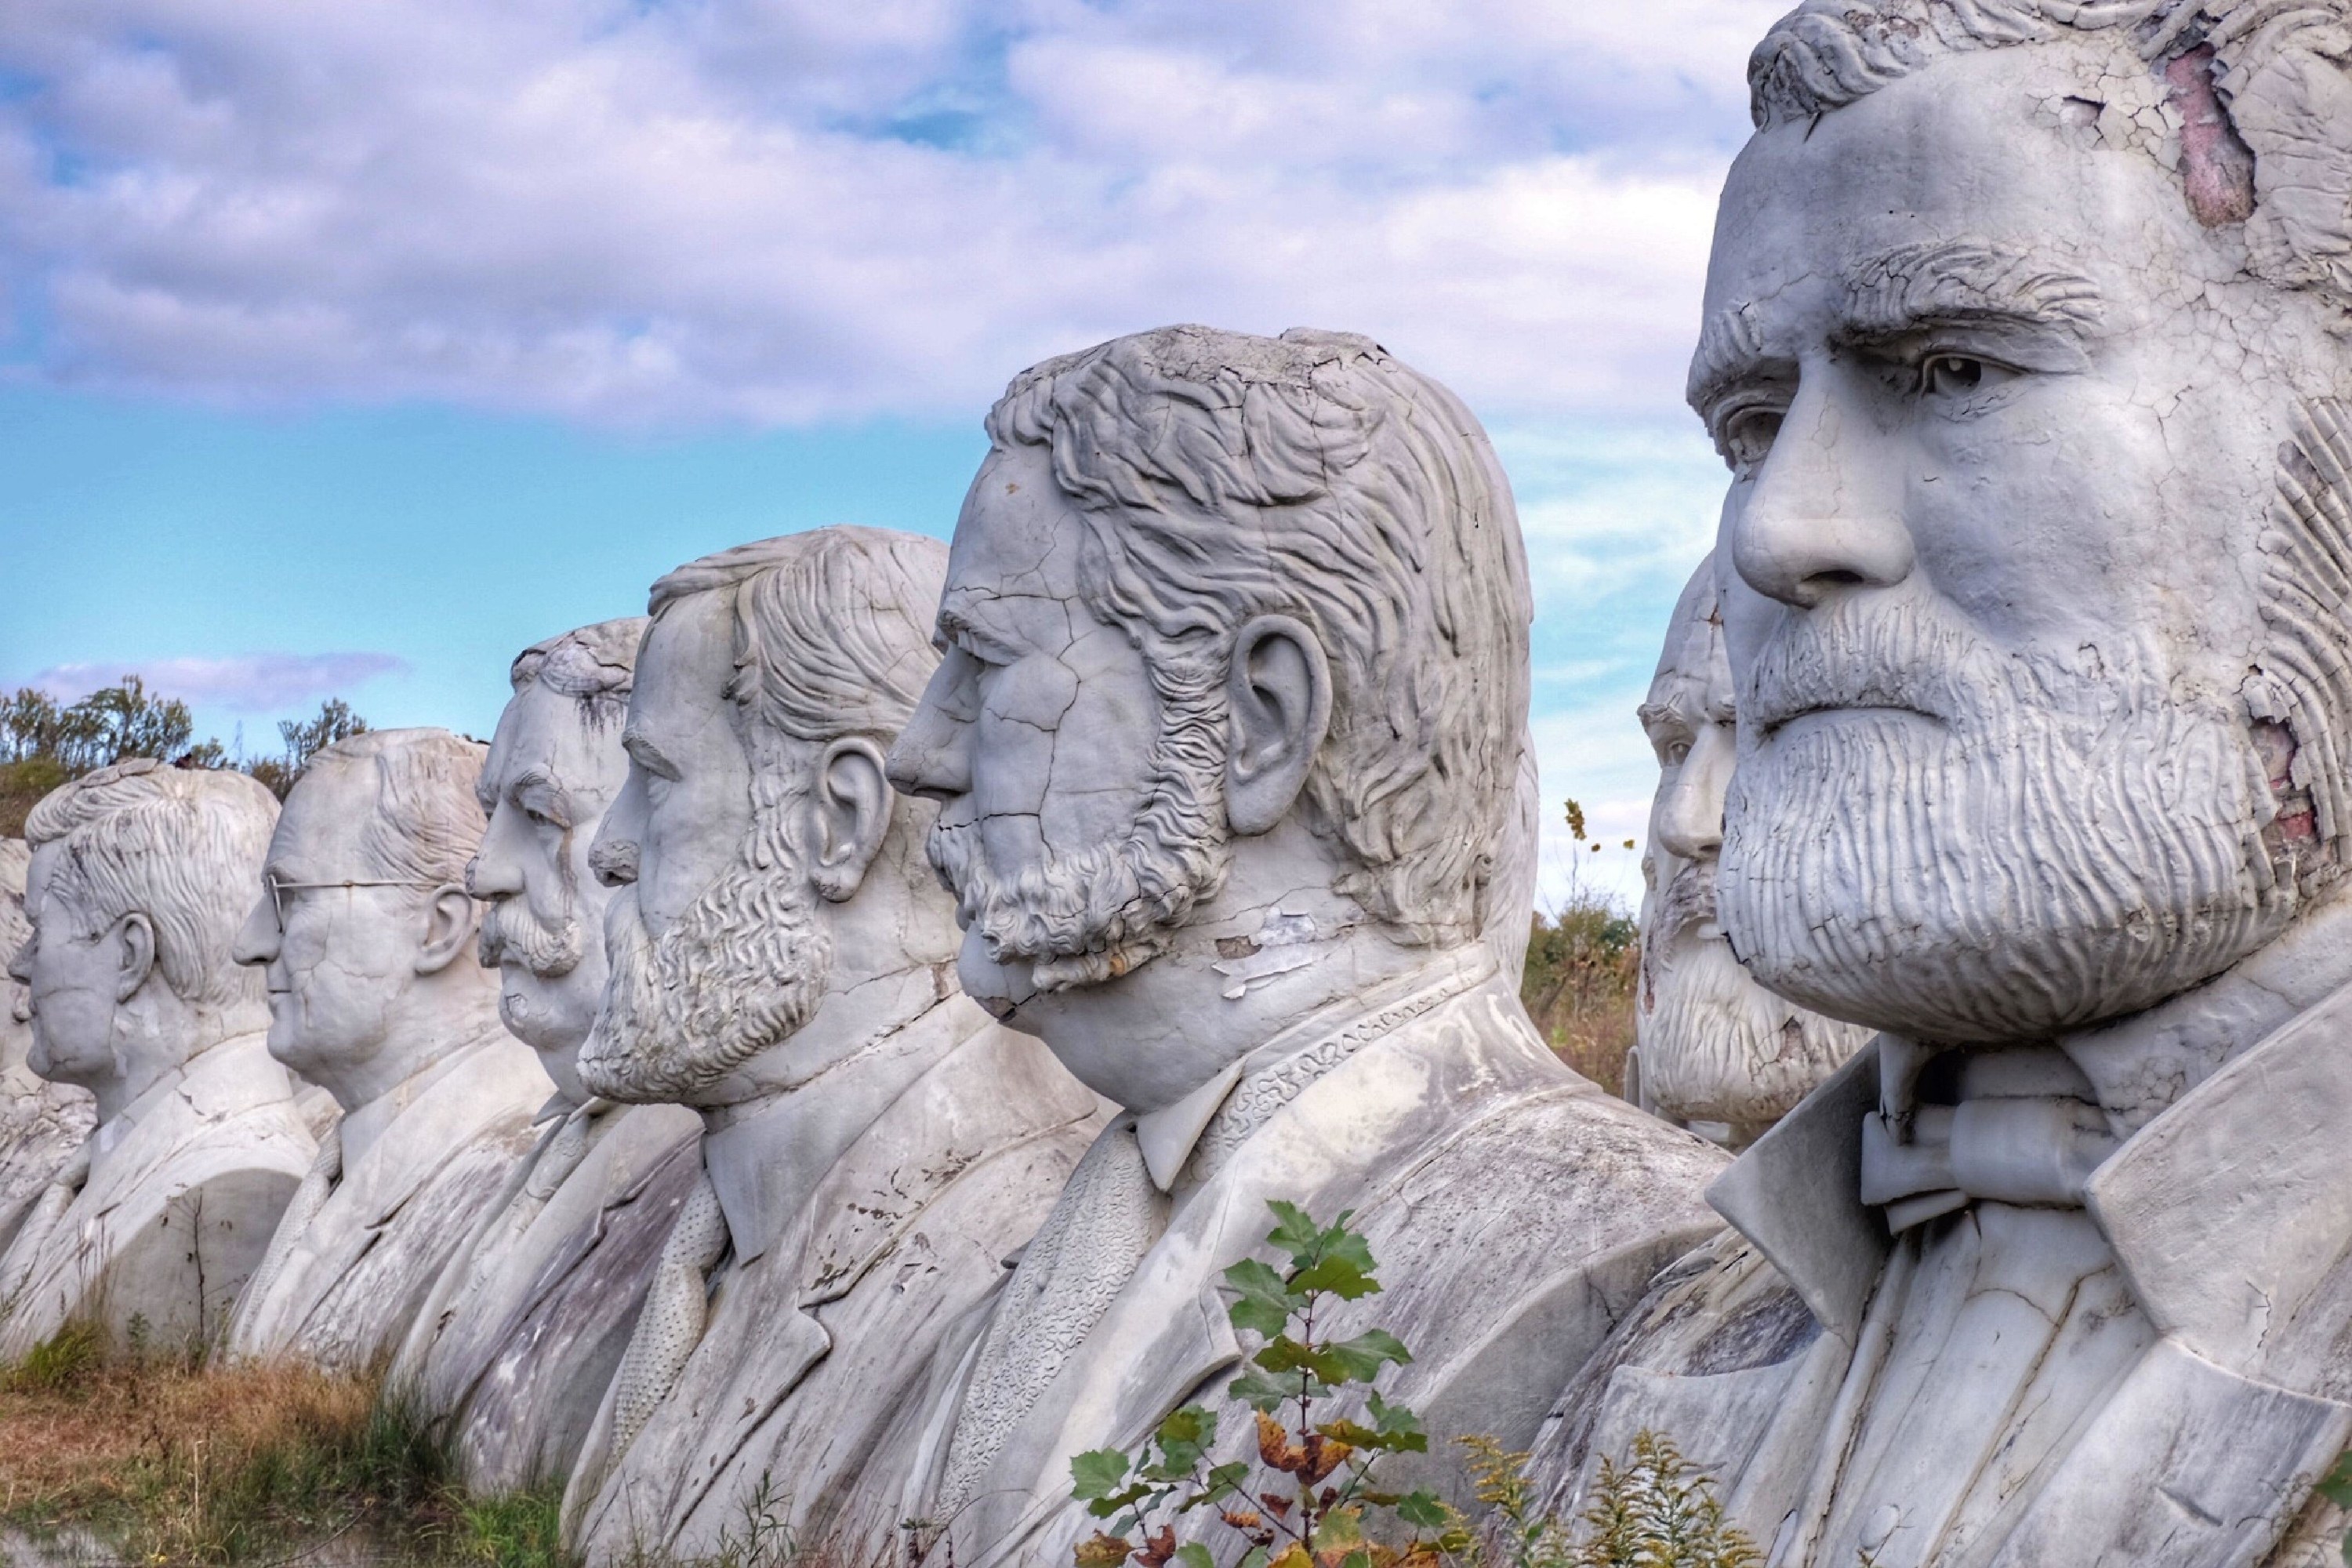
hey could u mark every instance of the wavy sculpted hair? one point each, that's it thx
(1222, 477)
(427, 822)
(183, 846)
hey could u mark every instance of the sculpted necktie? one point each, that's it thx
(1104, 1221)
(670, 1324)
(2034, 1150)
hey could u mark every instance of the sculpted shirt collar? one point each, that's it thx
(359, 1130)
(1278, 1070)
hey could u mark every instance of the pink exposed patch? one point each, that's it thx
(2219, 167)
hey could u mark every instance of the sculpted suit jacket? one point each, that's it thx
(513, 1350)
(1514, 1210)
(166, 1210)
(2230, 1216)
(42, 1126)
(364, 1239)
(812, 1347)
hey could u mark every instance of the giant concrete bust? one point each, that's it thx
(782, 960)
(137, 872)
(1226, 737)
(42, 1125)
(511, 1353)
(365, 936)
(1713, 1050)
(2024, 345)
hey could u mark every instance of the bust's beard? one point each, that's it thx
(1080, 917)
(1715, 1044)
(742, 968)
(2050, 849)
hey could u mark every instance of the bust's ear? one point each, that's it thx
(135, 955)
(849, 812)
(449, 922)
(1279, 695)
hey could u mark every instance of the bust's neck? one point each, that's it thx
(766, 1154)
(2142, 1064)
(1225, 987)
(157, 1036)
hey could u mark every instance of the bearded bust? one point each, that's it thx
(1226, 745)
(136, 874)
(2024, 346)
(42, 1125)
(511, 1353)
(872, 1145)
(1713, 1051)
(365, 937)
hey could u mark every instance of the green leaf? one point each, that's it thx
(1400, 1427)
(1224, 1480)
(1341, 1528)
(1253, 1558)
(1295, 1232)
(1097, 1473)
(1340, 1277)
(1185, 1439)
(1421, 1510)
(1261, 1390)
(2336, 1485)
(1363, 1356)
(1192, 1554)
(1351, 1434)
(1265, 1303)
(1104, 1507)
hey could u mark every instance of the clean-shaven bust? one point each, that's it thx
(365, 937)
(512, 1352)
(1713, 1050)
(135, 872)
(41, 1123)
(781, 960)
(1226, 744)
(2024, 346)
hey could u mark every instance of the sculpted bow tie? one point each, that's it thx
(2032, 1150)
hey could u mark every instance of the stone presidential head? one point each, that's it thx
(554, 765)
(364, 932)
(1711, 1045)
(771, 679)
(2026, 345)
(1213, 596)
(137, 873)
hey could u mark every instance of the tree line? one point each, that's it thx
(44, 743)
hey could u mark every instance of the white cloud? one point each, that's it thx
(789, 210)
(245, 683)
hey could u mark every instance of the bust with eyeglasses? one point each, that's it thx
(365, 937)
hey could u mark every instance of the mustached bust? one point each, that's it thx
(2041, 773)
(511, 1353)
(132, 996)
(365, 938)
(42, 1125)
(872, 1145)
(1225, 739)
(1713, 1050)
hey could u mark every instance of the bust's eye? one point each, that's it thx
(1676, 753)
(1747, 436)
(1959, 375)
(537, 818)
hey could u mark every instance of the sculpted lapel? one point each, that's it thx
(345, 1290)
(224, 1135)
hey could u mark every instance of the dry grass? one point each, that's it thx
(171, 1462)
(1583, 963)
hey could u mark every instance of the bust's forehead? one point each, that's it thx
(2054, 148)
(318, 831)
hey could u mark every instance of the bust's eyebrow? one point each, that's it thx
(963, 621)
(1730, 348)
(1960, 283)
(646, 754)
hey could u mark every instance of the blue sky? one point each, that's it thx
(346, 350)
